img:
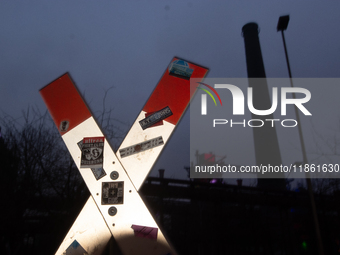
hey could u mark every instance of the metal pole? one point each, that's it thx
(304, 155)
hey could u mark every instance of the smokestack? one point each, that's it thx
(267, 151)
(254, 59)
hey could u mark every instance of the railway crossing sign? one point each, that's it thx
(115, 207)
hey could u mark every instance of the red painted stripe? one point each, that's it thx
(174, 92)
(65, 103)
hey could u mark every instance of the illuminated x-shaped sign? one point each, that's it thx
(115, 207)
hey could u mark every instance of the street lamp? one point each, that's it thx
(281, 26)
(283, 23)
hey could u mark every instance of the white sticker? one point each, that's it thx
(134, 149)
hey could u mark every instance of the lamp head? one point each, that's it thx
(283, 23)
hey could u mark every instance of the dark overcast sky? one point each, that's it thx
(128, 45)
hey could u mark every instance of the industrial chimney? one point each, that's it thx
(266, 144)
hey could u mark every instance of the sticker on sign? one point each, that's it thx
(180, 68)
(97, 172)
(92, 152)
(112, 193)
(134, 149)
(155, 117)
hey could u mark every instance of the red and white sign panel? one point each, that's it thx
(159, 117)
(120, 206)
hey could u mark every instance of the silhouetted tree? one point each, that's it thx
(38, 177)
(39, 180)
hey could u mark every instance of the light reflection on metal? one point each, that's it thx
(131, 210)
(132, 170)
(94, 244)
